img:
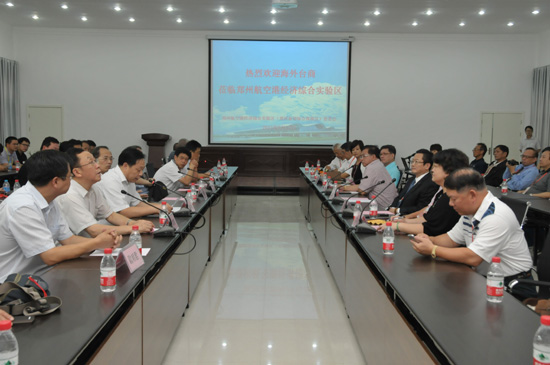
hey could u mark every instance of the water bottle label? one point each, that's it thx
(540, 358)
(108, 281)
(387, 244)
(162, 221)
(495, 288)
(373, 213)
(504, 190)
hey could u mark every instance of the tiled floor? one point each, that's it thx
(266, 297)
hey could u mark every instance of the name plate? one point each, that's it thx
(132, 257)
(173, 221)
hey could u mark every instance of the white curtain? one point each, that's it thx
(9, 99)
(540, 105)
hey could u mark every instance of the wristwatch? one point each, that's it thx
(433, 252)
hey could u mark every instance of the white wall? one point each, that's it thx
(6, 41)
(410, 90)
(543, 49)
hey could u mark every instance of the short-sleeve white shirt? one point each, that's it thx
(346, 164)
(169, 175)
(29, 226)
(532, 142)
(494, 231)
(83, 208)
(112, 182)
(335, 164)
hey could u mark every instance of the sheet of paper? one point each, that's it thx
(116, 251)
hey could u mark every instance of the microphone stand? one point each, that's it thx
(183, 212)
(349, 212)
(365, 227)
(163, 231)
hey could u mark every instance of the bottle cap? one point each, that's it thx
(503, 179)
(16, 180)
(545, 320)
(135, 228)
(358, 202)
(6, 325)
(163, 203)
(388, 224)
(496, 259)
(108, 251)
(374, 196)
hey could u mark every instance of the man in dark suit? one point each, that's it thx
(419, 190)
(493, 175)
(479, 163)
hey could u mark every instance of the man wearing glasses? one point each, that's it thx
(23, 147)
(522, 175)
(104, 158)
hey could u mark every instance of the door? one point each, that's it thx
(42, 122)
(502, 128)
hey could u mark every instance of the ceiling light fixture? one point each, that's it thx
(429, 12)
(226, 21)
(367, 24)
(10, 4)
(376, 12)
(325, 11)
(481, 12)
(415, 23)
(320, 22)
(179, 20)
(462, 24)
(221, 9)
(535, 12)
(273, 22)
(510, 24)
(273, 11)
(132, 20)
(84, 19)
(169, 8)
(64, 6)
(117, 8)
(35, 16)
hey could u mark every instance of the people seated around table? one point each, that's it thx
(435, 148)
(529, 141)
(104, 158)
(22, 148)
(172, 174)
(338, 159)
(131, 163)
(437, 217)
(49, 143)
(387, 157)
(356, 172)
(493, 174)
(487, 228)
(419, 190)
(522, 176)
(478, 163)
(31, 222)
(376, 173)
(349, 161)
(541, 186)
(71, 143)
(8, 157)
(84, 205)
(193, 163)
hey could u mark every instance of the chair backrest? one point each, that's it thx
(519, 207)
(150, 169)
(543, 268)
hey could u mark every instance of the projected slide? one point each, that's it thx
(278, 92)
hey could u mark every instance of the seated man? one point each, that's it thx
(524, 174)
(31, 222)
(131, 163)
(104, 158)
(23, 147)
(487, 228)
(435, 148)
(541, 186)
(84, 205)
(170, 173)
(376, 173)
(420, 189)
(336, 163)
(71, 143)
(9, 155)
(181, 143)
(348, 162)
(49, 143)
(191, 169)
(493, 174)
(387, 157)
(479, 163)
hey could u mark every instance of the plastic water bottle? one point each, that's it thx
(9, 349)
(223, 161)
(163, 217)
(108, 272)
(16, 185)
(135, 237)
(504, 187)
(307, 166)
(388, 239)
(541, 342)
(356, 213)
(319, 164)
(373, 207)
(495, 282)
(6, 187)
(194, 192)
(17, 166)
(10, 166)
(219, 166)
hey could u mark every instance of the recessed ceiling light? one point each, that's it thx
(84, 18)
(10, 4)
(325, 11)
(221, 9)
(510, 24)
(376, 12)
(117, 8)
(64, 6)
(429, 12)
(462, 24)
(132, 20)
(226, 21)
(367, 24)
(415, 23)
(273, 11)
(320, 22)
(169, 8)
(179, 20)
(35, 17)
(273, 22)
(481, 12)
(535, 12)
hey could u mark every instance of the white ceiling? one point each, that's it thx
(253, 15)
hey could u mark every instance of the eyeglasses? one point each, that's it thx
(525, 156)
(25, 144)
(414, 162)
(86, 164)
(364, 156)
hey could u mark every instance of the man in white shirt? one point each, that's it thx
(31, 222)
(84, 204)
(131, 163)
(348, 162)
(529, 141)
(104, 158)
(171, 174)
(336, 163)
(487, 228)
(9, 154)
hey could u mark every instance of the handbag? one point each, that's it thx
(157, 191)
(27, 295)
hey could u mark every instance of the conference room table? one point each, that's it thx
(538, 205)
(409, 308)
(135, 323)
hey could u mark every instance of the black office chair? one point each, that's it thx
(150, 169)
(519, 207)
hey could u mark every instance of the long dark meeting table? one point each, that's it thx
(443, 304)
(135, 323)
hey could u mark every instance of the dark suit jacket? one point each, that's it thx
(494, 177)
(418, 197)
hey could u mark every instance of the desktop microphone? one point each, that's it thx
(365, 227)
(346, 212)
(163, 231)
(183, 212)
